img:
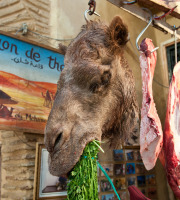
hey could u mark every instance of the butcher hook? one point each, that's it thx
(88, 12)
(129, 2)
(142, 32)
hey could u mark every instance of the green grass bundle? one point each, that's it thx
(83, 183)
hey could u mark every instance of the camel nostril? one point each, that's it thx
(58, 139)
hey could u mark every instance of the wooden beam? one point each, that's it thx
(161, 6)
(143, 15)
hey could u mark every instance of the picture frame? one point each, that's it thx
(106, 186)
(129, 155)
(131, 180)
(47, 186)
(130, 168)
(108, 168)
(118, 155)
(107, 197)
(120, 183)
(29, 73)
(119, 169)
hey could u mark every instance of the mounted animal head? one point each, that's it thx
(95, 97)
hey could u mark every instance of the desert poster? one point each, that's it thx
(28, 82)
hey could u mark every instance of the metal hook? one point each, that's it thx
(87, 12)
(129, 2)
(165, 14)
(142, 32)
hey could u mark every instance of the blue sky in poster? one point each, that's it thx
(29, 61)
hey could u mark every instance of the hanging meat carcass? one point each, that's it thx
(151, 135)
(171, 146)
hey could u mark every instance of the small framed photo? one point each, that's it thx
(108, 197)
(119, 169)
(141, 181)
(108, 168)
(131, 180)
(151, 180)
(120, 183)
(137, 156)
(152, 193)
(118, 155)
(143, 190)
(123, 195)
(106, 186)
(45, 184)
(130, 168)
(129, 155)
(140, 168)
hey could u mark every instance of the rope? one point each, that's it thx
(108, 179)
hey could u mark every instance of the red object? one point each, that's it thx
(151, 135)
(165, 14)
(171, 146)
(136, 194)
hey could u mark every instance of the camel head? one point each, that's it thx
(95, 96)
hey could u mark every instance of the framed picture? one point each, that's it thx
(141, 181)
(131, 180)
(108, 197)
(29, 73)
(129, 155)
(45, 184)
(119, 169)
(122, 195)
(130, 168)
(108, 168)
(137, 156)
(120, 183)
(151, 180)
(152, 193)
(140, 168)
(106, 186)
(118, 155)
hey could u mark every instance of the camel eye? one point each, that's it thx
(94, 87)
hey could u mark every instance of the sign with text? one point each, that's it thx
(28, 82)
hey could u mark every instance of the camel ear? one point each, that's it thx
(117, 33)
(62, 49)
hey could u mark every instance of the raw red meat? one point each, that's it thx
(136, 194)
(151, 135)
(171, 146)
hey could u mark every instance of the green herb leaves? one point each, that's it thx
(83, 183)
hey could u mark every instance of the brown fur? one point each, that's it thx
(95, 97)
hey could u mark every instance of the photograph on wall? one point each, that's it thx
(130, 168)
(137, 156)
(152, 193)
(122, 195)
(106, 186)
(131, 180)
(143, 190)
(108, 168)
(107, 197)
(119, 169)
(28, 83)
(151, 180)
(129, 155)
(120, 183)
(47, 185)
(140, 168)
(118, 155)
(141, 181)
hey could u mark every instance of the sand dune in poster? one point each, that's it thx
(24, 104)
